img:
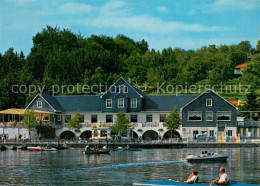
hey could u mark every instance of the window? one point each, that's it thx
(211, 133)
(133, 118)
(81, 118)
(209, 116)
(195, 116)
(120, 103)
(162, 117)
(39, 104)
(223, 115)
(125, 88)
(149, 118)
(109, 118)
(59, 117)
(94, 119)
(109, 103)
(208, 102)
(67, 118)
(229, 132)
(117, 89)
(134, 103)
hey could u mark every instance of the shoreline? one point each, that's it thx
(145, 145)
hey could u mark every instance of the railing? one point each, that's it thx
(248, 123)
(150, 125)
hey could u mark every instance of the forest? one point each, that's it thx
(61, 57)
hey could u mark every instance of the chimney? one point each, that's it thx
(129, 81)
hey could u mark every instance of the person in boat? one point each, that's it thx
(223, 178)
(193, 177)
(127, 146)
(87, 148)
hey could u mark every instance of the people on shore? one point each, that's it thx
(193, 177)
(223, 178)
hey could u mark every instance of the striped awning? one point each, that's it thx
(22, 111)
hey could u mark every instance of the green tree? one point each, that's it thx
(173, 120)
(251, 105)
(74, 123)
(251, 74)
(29, 121)
(121, 124)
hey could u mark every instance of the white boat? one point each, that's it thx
(208, 158)
(38, 148)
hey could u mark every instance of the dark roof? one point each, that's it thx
(80, 102)
(53, 102)
(166, 102)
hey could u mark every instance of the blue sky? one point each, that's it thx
(188, 24)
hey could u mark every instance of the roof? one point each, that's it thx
(233, 102)
(166, 102)
(243, 65)
(80, 102)
(52, 101)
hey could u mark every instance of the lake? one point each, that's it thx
(122, 168)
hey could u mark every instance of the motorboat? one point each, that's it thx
(176, 183)
(207, 158)
(38, 148)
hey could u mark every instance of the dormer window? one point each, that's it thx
(209, 102)
(108, 103)
(120, 103)
(118, 89)
(39, 104)
(125, 89)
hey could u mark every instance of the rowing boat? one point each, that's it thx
(177, 183)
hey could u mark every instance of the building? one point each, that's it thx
(239, 69)
(207, 113)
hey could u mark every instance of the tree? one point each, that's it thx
(29, 121)
(122, 123)
(251, 105)
(251, 74)
(74, 123)
(173, 120)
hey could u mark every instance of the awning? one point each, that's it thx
(22, 111)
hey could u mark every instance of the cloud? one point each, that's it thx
(148, 24)
(162, 9)
(221, 5)
(75, 8)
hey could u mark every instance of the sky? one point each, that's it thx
(187, 24)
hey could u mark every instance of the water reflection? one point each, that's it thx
(70, 167)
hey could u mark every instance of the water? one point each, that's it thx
(121, 168)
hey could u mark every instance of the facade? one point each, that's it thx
(146, 113)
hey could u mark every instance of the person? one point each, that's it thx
(127, 146)
(193, 178)
(223, 178)
(87, 148)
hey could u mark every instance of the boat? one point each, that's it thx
(96, 152)
(209, 158)
(38, 148)
(176, 183)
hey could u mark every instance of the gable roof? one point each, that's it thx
(166, 102)
(80, 102)
(53, 102)
(47, 98)
(209, 90)
(135, 89)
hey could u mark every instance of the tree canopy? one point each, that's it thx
(121, 124)
(74, 123)
(61, 57)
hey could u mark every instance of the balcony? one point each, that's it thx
(150, 125)
(248, 123)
